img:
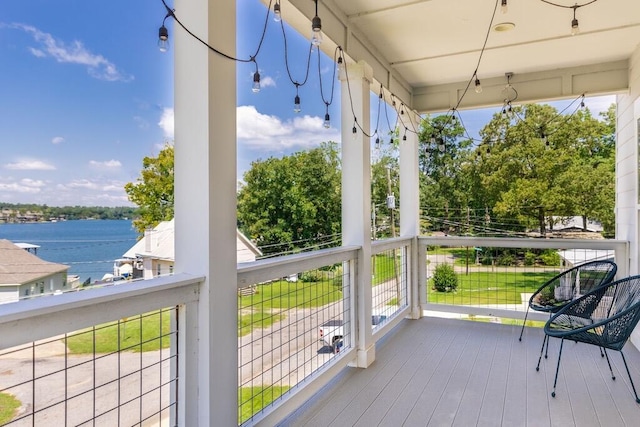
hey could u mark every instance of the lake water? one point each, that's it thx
(89, 247)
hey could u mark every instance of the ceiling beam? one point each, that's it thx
(590, 80)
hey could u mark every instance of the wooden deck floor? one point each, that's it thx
(443, 372)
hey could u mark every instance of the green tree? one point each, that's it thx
(153, 190)
(292, 200)
(445, 166)
(537, 163)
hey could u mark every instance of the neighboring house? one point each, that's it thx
(573, 257)
(575, 223)
(153, 255)
(24, 275)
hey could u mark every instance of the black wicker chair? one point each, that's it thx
(568, 285)
(604, 317)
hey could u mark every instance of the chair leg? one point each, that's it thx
(555, 381)
(613, 377)
(526, 313)
(546, 352)
(601, 353)
(629, 374)
(546, 337)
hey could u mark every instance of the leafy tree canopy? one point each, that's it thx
(292, 200)
(153, 190)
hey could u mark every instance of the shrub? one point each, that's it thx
(505, 260)
(444, 278)
(550, 257)
(529, 258)
(486, 259)
(311, 276)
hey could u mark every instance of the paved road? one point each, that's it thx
(283, 354)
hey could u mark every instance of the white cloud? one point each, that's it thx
(166, 122)
(108, 164)
(57, 140)
(24, 186)
(74, 53)
(30, 164)
(266, 133)
(267, 81)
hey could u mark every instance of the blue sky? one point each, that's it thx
(86, 94)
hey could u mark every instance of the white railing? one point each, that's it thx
(570, 251)
(61, 387)
(284, 304)
(391, 280)
(280, 351)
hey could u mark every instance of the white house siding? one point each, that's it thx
(8, 294)
(627, 161)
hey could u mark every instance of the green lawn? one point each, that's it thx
(253, 399)
(139, 333)
(479, 288)
(8, 407)
(299, 294)
(383, 268)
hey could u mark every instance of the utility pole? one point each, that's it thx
(396, 268)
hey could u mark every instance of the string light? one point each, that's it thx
(277, 16)
(163, 33)
(575, 28)
(327, 118)
(256, 82)
(296, 104)
(504, 8)
(316, 28)
(478, 85)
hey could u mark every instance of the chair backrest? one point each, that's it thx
(580, 280)
(619, 307)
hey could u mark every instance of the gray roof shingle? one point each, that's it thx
(18, 266)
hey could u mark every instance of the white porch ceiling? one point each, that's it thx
(425, 51)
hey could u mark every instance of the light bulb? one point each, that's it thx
(404, 137)
(575, 28)
(163, 39)
(296, 104)
(441, 146)
(432, 139)
(354, 132)
(478, 85)
(316, 34)
(377, 142)
(327, 121)
(340, 64)
(504, 8)
(276, 12)
(256, 82)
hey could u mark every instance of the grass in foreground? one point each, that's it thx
(253, 399)
(284, 295)
(8, 407)
(139, 333)
(481, 288)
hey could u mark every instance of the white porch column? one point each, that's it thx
(205, 208)
(627, 161)
(356, 197)
(410, 209)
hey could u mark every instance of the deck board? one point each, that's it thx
(443, 372)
